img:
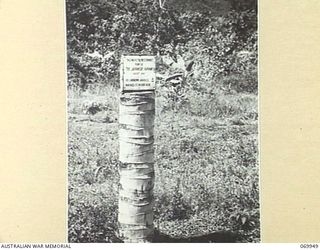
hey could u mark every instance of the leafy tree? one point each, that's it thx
(213, 32)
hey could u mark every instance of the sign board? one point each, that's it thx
(137, 73)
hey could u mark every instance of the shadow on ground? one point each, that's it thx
(217, 237)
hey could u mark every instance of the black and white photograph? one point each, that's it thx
(163, 121)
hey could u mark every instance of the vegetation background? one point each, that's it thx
(207, 176)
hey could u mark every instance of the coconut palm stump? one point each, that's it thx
(136, 120)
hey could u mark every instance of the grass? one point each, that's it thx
(206, 163)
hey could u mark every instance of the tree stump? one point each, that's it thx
(136, 137)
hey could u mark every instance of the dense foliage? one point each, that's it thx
(99, 31)
(206, 126)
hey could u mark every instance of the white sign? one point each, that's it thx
(137, 73)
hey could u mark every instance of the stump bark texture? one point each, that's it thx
(136, 139)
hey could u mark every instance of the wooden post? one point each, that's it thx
(136, 137)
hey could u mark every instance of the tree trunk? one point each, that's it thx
(136, 118)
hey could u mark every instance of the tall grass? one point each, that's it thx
(206, 164)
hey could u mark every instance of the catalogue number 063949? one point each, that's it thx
(309, 245)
